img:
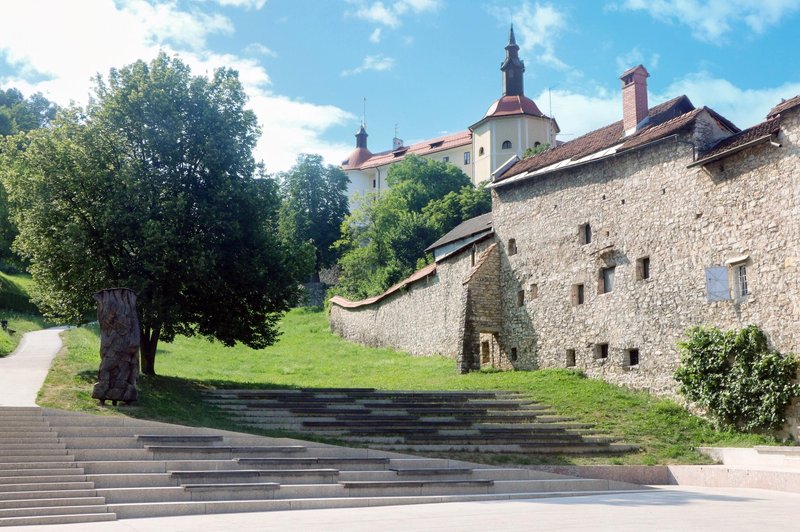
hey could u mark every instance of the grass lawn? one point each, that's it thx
(17, 310)
(307, 355)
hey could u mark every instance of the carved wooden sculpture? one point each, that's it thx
(119, 346)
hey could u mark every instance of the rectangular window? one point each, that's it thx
(632, 357)
(534, 291)
(445, 159)
(585, 234)
(570, 358)
(600, 351)
(466, 157)
(607, 280)
(717, 288)
(520, 298)
(643, 268)
(512, 246)
(513, 354)
(374, 183)
(740, 272)
(578, 293)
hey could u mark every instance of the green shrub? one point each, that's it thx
(736, 378)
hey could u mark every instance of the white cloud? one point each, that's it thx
(712, 20)
(744, 107)
(377, 63)
(536, 27)
(246, 4)
(577, 113)
(60, 53)
(637, 57)
(256, 48)
(375, 36)
(390, 13)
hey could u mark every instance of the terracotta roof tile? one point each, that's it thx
(608, 136)
(768, 127)
(784, 106)
(430, 269)
(462, 138)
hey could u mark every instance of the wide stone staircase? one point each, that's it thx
(65, 467)
(417, 421)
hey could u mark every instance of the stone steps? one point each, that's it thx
(90, 468)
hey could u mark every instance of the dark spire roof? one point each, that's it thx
(513, 68)
(361, 137)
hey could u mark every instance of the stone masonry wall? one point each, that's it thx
(647, 203)
(426, 318)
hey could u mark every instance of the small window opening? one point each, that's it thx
(512, 246)
(643, 268)
(466, 157)
(601, 351)
(741, 281)
(585, 233)
(632, 357)
(513, 354)
(480, 151)
(485, 356)
(534, 291)
(570, 358)
(445, 159)
(606, 280)
(506, 144)
(578, 293)
(374, 183)
(623, 202)
(520, 298)
(537, 144)
(472, 256)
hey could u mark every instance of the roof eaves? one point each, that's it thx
(727, 153)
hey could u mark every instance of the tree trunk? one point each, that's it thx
(119, 346)
(149, 341)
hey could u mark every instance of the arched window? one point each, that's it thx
(537, 144)
(506, 144)
(480, 151)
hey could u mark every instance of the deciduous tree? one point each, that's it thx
(154, 187)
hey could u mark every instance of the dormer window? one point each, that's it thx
(506, 144)
(437, 144)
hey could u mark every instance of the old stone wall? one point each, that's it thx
(428, 317)
(646, 204)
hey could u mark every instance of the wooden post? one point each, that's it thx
(119, 346)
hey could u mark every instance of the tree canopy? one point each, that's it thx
(314, 206)
(154, 187)
(384, 240)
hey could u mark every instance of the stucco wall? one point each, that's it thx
(648, 204)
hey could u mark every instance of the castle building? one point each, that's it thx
(512, 124)
(601, 252)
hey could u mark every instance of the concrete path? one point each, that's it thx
(673, 508)
(22, 373)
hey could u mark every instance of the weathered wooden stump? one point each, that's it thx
(119, 346)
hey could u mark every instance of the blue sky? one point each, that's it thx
(429, 67)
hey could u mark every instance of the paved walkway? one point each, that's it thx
(674, 508)
(22, 373)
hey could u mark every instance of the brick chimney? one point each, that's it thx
(634, 97)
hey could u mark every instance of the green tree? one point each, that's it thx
(153, 186)
(314, 206)
(535, 150)
(384, 240)
(18, 114)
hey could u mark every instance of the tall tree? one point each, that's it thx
(154, 187)
(385, 240)
(314, 206)
(18, 113)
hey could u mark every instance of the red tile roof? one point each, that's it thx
(430, 269)
(663, 120)
(730, 144)
(427, 147)
(785, 105)
(356, 159)
(514, 105)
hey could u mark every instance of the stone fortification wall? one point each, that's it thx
(744, 210)
(425, 318)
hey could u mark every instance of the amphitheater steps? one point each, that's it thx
(82, 468)
(482, 421)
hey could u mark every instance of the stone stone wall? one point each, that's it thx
(745, 210)
(426, 318)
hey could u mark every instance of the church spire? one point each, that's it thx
(512, 68)
(361, 137)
